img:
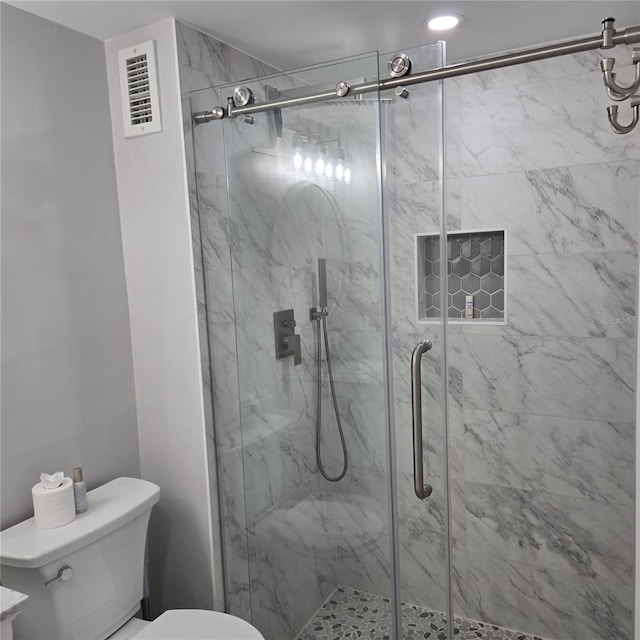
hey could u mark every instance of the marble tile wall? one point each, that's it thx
(203, 63)
(541, 413)
(541, 409)
(565, 360)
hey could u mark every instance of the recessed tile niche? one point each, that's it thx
(476, 267)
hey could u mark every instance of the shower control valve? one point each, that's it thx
(292, 342)
(287, 341)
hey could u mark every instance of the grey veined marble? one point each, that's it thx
(566, 377)
(349, 613)
(217, 59)
(541, 414)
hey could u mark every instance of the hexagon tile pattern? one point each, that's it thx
(475, 265)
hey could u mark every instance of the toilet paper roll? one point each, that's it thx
(53, 507)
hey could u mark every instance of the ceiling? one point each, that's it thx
(295, 33)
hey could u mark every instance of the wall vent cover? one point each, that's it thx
(139, 89)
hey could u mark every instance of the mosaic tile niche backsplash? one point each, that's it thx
(475, 264)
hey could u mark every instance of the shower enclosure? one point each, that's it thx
(507, 238)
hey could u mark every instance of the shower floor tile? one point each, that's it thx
(356, 614)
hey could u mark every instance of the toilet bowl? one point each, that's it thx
(195, 624)
(85, 579)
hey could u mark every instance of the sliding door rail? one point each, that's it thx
(606, 40)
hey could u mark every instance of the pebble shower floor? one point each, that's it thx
(356, 614)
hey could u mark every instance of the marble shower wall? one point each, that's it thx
(542, 408)
(203, 63)
(547, 401)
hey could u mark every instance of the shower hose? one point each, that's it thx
(322, 326)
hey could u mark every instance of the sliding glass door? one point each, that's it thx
(310, 239)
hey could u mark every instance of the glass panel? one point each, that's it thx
(414, 190)
(542, 402)
(309, 541)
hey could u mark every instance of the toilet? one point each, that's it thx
(85, 579)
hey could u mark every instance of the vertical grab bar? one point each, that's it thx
(422, 490)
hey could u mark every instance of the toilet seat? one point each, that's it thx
(198, 624)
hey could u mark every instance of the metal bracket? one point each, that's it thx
(616, 91)
(202, 117)
(342, 89)
(399, 65)
(275, 123)
(612, 112)
(608, 31)
(242, 96)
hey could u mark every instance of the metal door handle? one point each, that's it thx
(422, 490)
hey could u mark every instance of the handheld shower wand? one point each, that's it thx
(320, 316)
(322, 283)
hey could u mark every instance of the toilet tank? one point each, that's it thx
(105, 549)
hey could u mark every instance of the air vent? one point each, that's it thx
(139, 90)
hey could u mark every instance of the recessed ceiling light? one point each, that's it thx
(443, 23)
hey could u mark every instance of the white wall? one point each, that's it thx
(67, 376)
(154, 209)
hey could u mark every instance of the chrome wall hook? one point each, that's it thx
(612, 112)
(616, 91)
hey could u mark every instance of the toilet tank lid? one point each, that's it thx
(110, 506)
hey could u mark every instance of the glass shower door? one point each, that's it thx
(303, 186)
(413, 149)
(311, 540)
